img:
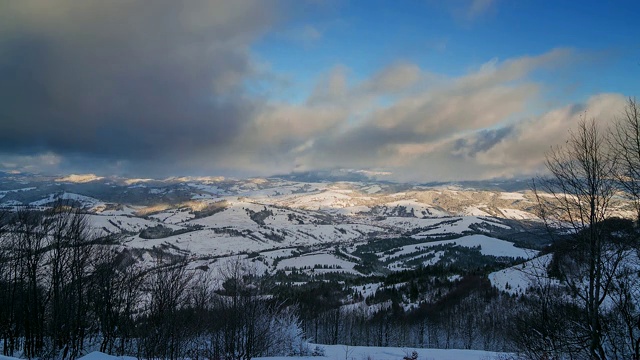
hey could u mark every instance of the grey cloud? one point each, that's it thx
(481, 141)
(332, 88)
(395, 78)
(424, 119)
(422, 130)
(126, 80)
(514, 150)
(524, 148)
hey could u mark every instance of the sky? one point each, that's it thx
(410, 90)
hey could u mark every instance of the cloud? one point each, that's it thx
(331, 88)
(395, 78)
(42, 162)
(126, 81)
(157, 89)
(478, 8)
(523, 149)
(403, 119)
(307, 35)
(466, 12)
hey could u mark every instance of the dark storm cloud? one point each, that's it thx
(481, 141)
(125, 80)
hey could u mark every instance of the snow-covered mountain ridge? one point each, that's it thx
(210, 218)
(324, 226)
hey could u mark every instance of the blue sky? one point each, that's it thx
(452, 38)
(420, 90)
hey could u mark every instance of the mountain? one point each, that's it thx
(348, 227)
(386, 264)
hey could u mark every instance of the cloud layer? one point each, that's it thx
(158, 88)
(126, 80)
(422, 126)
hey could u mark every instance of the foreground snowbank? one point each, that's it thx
(352, 352)
(391, 353)
(96, 355)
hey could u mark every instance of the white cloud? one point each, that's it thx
(523, 150)
(416, 124)
(479, 7)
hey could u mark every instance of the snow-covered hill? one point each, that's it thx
(212, 218)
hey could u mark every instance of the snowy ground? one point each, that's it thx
(391, 353)
(488, 246)
(355, 353)
(352, 353)
(517, 279)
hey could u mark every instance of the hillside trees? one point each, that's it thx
(625, 141)
(45, 264)
(115, 294)
(65, 292)
(582, 188)
(593, 251)
(249, 323)
(164, 331)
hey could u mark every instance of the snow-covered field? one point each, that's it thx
(217, 217)
(392, 353)
(335, 352)
(517, 279)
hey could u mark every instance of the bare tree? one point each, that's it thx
(625, 141)
(581, 188)
(115, 293)
(164, 330)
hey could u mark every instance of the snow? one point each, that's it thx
(107, 224)
(351, 352)
(419, 209)
(278, 253)
(11, 203)
(488, 246)
(86, 201)
(517, 279)
(454, 225)
(368, 289)
(353, 210)
(475, 211)
(391, 353)
(4, 193)
(174, 216)
(2, 357)
(512, 196)
(212, 190)
(80, 179)
(96, 355)
(372, 189)
(517, 214)
(318, 259)
(136, 181)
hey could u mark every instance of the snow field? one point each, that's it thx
(321, 259)
(517, 279)
(389, 353)
(488, 246)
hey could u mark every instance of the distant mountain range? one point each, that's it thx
(304, 226)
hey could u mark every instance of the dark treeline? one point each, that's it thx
(64, 291)
(465, 314)
(546, 321)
